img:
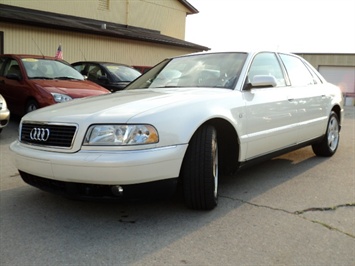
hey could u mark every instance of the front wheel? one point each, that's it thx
(31, 106)
(329, 144)
(200, 170)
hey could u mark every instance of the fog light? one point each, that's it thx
(117, 190)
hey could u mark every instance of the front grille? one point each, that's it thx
(156, 189)
(53, 135)
(70, 189)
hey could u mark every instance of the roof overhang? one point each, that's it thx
(192, 9)
(42, 19)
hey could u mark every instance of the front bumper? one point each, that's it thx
(101, 167)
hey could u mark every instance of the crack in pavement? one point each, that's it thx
(326, 208)
(299, 213)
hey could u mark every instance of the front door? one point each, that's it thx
(271, 116)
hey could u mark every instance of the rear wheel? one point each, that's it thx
(200, 170)
(329, 144)
(31, 106)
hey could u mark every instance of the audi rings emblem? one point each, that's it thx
(39, 134)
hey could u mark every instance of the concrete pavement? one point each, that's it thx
(297, 209)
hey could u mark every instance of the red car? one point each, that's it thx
(29, 82)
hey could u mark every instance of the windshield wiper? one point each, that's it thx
(39, 77)
(167, 86)
(65, 78)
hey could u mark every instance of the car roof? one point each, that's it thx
(31, 56)
(250, 53)
(99, 62)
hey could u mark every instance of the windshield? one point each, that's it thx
(38, 68)
(218, 70)
(122, 73)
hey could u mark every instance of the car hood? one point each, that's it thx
(121, 106)
(73, 88)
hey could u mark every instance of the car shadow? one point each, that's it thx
(128, 230)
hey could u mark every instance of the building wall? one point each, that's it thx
(169, 17)
(77, 47)
(329, 59)
(338, 69)
(166, 16)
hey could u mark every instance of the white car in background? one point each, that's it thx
(4, 113)
(185, 121)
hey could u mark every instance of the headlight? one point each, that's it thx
(121, 135)
(59, 98)
(3, 105)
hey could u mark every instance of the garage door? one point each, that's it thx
(344, 77)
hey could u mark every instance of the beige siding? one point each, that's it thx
(166, 16)
(330, 59)
(94, 9)
(77, 46)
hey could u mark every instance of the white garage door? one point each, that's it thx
(344, 77)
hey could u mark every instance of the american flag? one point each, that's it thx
(59, 53)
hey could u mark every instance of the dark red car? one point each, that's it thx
(29, 82)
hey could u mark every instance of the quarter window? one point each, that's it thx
(297, 71)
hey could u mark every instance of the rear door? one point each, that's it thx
(309, 94)
(271, 119)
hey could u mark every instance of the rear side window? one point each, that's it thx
(81, 69)
(297, 71)
(94, 73)
(12, 67)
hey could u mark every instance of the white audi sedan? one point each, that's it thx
(185, 122)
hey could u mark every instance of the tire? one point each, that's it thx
(200, 170)
(329, 144)
(31, 106)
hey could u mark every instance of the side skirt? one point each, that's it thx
(269, 156)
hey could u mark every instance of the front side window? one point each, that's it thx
(266, 64)
(297, 71)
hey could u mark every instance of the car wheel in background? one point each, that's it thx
(329, 144)
(200, 170)
(31, 106)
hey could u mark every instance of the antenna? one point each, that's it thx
(38, 47)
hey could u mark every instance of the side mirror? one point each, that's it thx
(103, 79)
(13, 76)
(263, 81)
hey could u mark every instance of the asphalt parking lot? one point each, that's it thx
(296, 209)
